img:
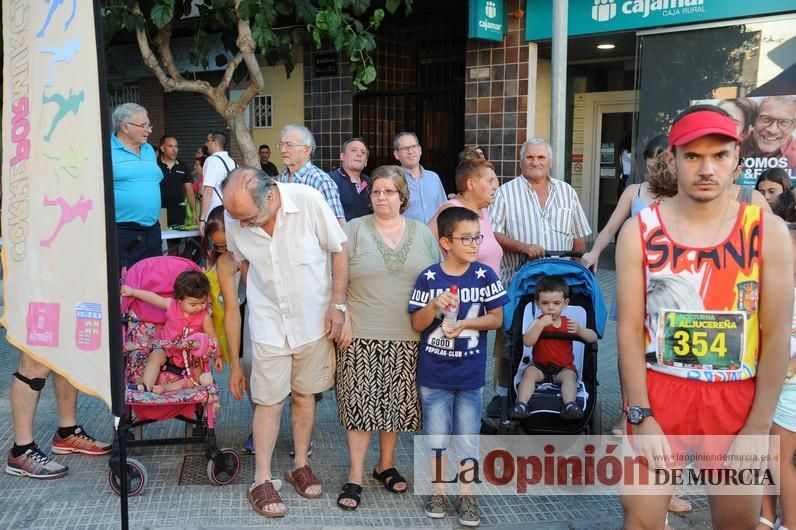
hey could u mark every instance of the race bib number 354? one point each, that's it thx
(701, 340)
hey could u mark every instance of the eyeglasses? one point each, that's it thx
(467, 241)
(145, 126)
(387, 193)
(784, 125)
(289, 145)
(408, 148)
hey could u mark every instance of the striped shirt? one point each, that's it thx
(517, 214)
(315, 177)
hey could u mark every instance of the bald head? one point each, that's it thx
(247, 191)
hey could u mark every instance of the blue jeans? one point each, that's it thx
(452, 412)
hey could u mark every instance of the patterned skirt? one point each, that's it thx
(376, 389)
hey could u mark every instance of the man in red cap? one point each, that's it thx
(706, 294)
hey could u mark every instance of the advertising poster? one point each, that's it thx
(767, 127)
(53, 209)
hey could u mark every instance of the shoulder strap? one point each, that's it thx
(745, 195)
(226, 167)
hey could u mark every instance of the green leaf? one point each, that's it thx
(358, 7)
(368, 75)
(377, 17)
(162, 14)
(392, 5)
(284, 8)
(305, 11)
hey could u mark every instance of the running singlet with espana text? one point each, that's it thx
(702, 303)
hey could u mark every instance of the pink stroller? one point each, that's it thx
(195, 403)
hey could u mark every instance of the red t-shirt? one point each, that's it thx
(554, 351)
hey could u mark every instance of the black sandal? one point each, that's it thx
(389, 478)
(350, 491)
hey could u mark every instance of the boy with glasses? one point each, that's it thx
(451, 371)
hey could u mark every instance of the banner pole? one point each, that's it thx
(115, 349)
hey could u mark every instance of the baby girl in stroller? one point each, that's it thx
(188, 336)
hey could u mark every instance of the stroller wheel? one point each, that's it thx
(136, 478)
(223, 475)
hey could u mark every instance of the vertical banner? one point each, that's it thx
(53, 216)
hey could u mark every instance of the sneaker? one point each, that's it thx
(572, 411)
(309, 451)
(436, 506)
(35, 464)
(520, 411)
(248, 445)
(79, 442)
(468, 510)
(493, 408)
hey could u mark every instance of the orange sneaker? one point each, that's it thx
(79, 442)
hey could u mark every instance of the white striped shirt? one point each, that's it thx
(517, 214)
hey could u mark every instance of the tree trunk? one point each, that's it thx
(243, 135)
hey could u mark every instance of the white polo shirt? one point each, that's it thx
(517, 213)
(289, 283)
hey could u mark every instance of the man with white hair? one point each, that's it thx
(136, 185)
(296, 145)
(532, 214)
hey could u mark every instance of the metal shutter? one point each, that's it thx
(189, 117)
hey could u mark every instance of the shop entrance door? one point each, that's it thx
(608, 123)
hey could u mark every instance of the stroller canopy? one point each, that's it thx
(155, 274)
(579, 279)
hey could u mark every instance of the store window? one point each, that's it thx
(262, 112)
(748, 68)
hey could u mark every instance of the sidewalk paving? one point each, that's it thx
(178, 495)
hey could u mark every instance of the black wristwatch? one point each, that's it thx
(636, 414)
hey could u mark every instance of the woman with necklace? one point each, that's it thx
(378, 349)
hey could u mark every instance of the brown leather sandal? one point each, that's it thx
(263, 495)
(302, 478)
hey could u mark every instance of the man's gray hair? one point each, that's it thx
(305, 136)
(258, 185)
(396, 142)
(536, 140)
(123, 113)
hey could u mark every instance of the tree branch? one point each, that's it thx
(247, 51)
(169, 84)
(162, 41)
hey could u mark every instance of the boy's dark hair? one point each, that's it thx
(449, 218)
(191, 283)
(551, 284)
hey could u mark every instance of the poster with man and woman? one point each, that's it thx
(767, 127)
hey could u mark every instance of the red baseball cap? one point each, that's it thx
(699, 124)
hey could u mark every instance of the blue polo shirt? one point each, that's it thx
(356, 203)
(136, 184)
(425, 195)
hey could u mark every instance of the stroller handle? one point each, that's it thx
(562, 254)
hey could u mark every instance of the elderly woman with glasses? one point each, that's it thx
(378, 349)
(136, 185)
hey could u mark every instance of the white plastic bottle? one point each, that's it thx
(451, 312)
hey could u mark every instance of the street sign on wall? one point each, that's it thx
(487, 20)
(588, 17)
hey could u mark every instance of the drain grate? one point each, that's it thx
(194, 470)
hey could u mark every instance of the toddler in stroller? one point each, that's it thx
(187, 318)
(553, 357)
(169, 346)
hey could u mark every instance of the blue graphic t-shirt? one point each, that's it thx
(460, 363)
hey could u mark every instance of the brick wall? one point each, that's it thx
(496, 108)
(328, 109)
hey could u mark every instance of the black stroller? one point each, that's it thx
(586, 307)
